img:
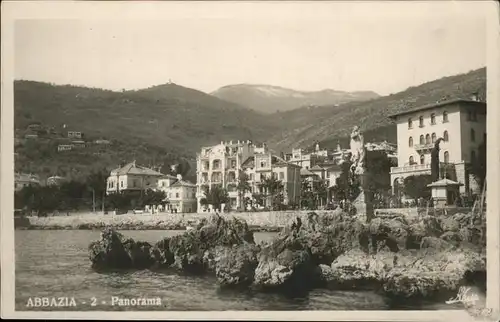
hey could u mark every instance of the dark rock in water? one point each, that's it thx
(429, 273)
(236, 265)
(114, 251)
(189, 248)
(285, 263)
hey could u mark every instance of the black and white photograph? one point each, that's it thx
(250, 157)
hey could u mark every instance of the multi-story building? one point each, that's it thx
(225, 163)
(264, 165)
(64, 147)
(220, 165)
(132, 177)
(308, 159)
(182, 196)
(22, 180)
(461, 123)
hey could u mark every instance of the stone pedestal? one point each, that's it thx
(364, 205)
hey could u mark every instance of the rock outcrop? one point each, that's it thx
(401, 257)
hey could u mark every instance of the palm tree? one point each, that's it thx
(273, 189)
(242, 187)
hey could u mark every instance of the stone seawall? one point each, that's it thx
(271, 219)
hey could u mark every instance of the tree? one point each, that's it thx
(153, 197)
(217, 196)
(347, 187)
(379, 173)
(416, 186)
(243, 187)
(273, 191)
(478, 166)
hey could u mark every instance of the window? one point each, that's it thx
(411, 160)
(262, 164)
(474, 116)
(410, 123)
(433, 137)
(282, 175)
(445, 117)
(422, 159)
(445, 136)
(427, 139)
(233, 164)
(251, 176)
(421, 121)
(176, 195)
(472, 135)
(433, 118)
(469, 116)
(446, 157)
(422, 141)
(134, 183)
(410, 142)
(473, 156)
(121, 184)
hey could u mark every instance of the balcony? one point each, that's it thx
(421, 168)
(424, 147)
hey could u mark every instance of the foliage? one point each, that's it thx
(346, 186)
(478, 168)
(313, 194)
(273, 191)
(416, 186)
(243, 187)
(379, 166)
(217, 196)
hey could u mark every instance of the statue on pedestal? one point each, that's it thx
(357, 151)
(435, 160)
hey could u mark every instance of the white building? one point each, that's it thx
(219, 165)
(132, 177)
(462, 125)
(308, 159)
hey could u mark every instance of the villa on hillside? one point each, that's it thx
(461, 123)
(22, 180)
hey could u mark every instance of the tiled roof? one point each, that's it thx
(438, 104)
(168, 176)
(183, 183)
(132, 168)
(444, 182)
(305, 172)
(248, 163)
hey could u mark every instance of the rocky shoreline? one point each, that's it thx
(426, 257)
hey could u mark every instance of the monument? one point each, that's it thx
(359, 172)
(435, 161)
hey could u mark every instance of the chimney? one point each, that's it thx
(222, 142)
(474, 96)
(179, 177)
(231, 142)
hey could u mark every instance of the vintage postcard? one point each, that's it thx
(316, 160)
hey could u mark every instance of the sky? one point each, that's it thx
(305, 46)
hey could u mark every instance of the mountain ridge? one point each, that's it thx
(271, 98)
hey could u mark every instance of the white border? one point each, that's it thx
(150, 10)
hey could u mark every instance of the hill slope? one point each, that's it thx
(166, 118)
(270, 99)
(301, 127)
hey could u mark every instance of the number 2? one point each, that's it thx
(93, 301)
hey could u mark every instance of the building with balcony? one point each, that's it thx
(220, 165)
(461, 123)
(266, 165)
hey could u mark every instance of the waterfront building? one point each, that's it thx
(182, 196)
(461, 123)
(264, 165)
(22, 180)
(307, 159)
(219, 165)
(75, 134)
(132, 177)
